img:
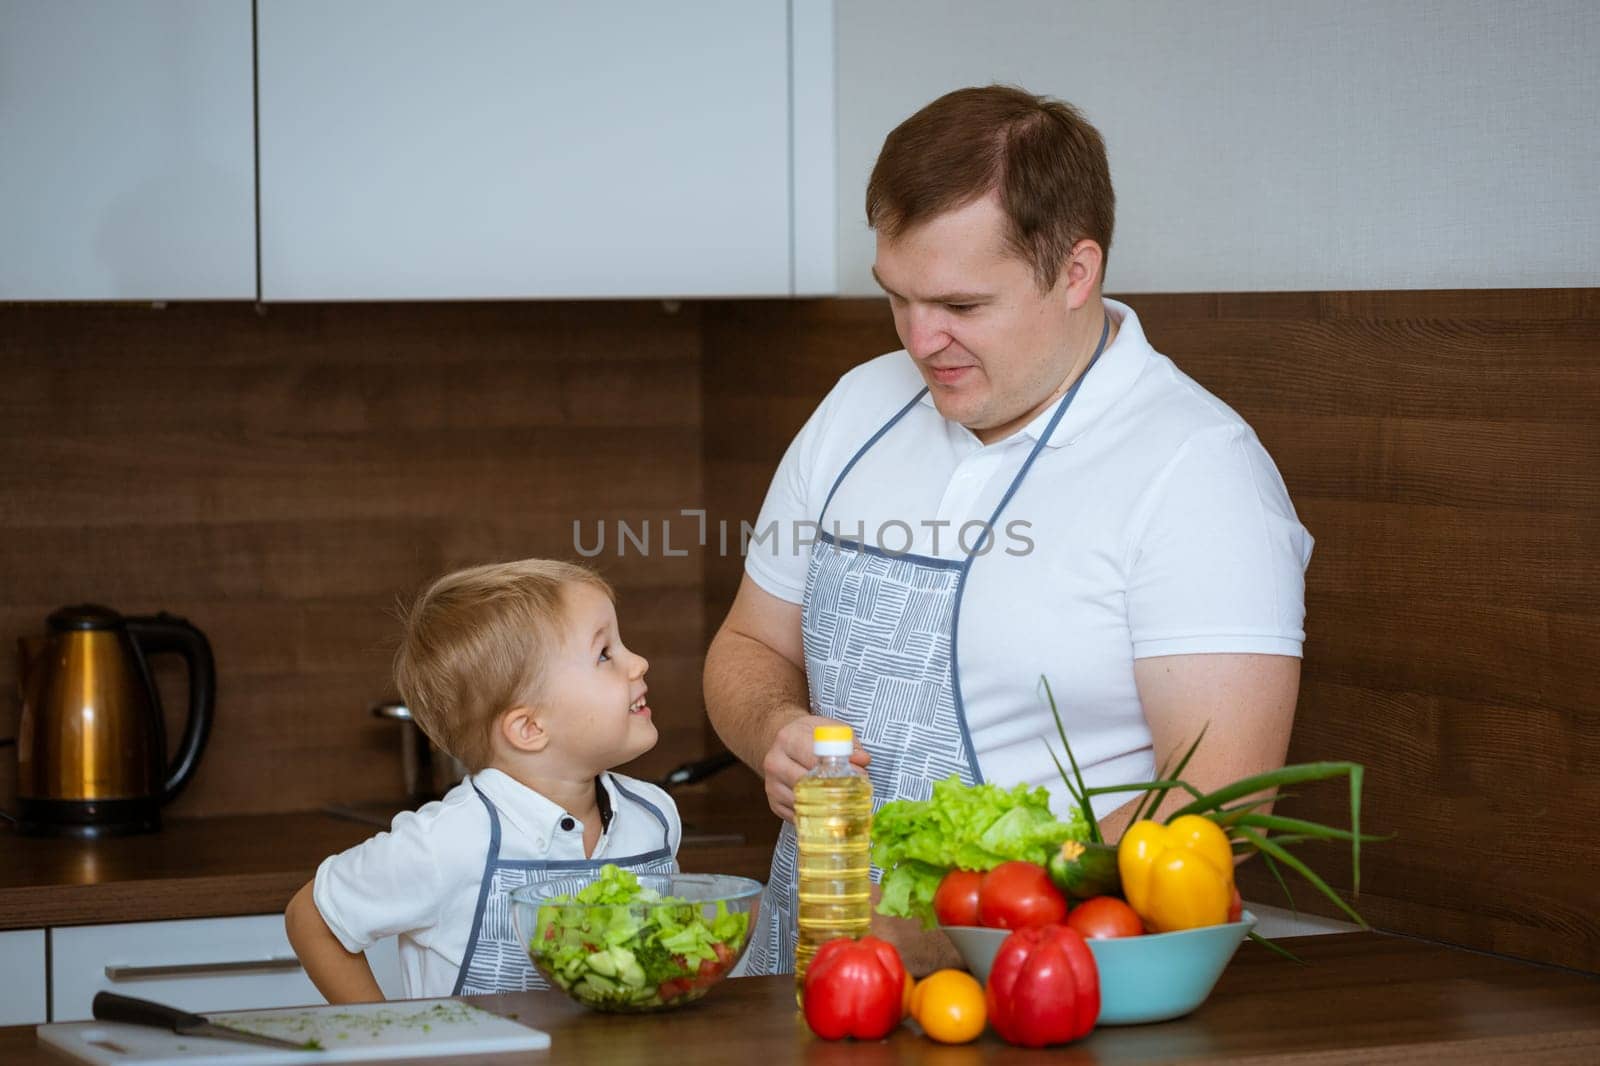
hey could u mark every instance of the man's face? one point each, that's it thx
(993, 348)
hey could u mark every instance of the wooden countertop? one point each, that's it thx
(1362, 998)
(197, 868)
(253, 864)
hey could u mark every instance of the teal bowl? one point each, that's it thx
(1149, 978)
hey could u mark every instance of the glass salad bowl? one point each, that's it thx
(628, 943)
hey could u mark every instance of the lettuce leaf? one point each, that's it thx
(968, 827)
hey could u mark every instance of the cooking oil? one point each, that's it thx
(833, 823)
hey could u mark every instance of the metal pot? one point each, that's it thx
(426, 771)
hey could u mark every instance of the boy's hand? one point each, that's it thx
(790, 756)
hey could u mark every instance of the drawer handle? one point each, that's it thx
(202, 969)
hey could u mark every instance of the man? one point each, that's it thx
(1027, 491)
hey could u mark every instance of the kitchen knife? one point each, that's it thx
(110, 1007)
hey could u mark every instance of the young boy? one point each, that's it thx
(519, 671)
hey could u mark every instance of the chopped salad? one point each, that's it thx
(627, 947)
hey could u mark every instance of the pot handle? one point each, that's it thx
(166, 633)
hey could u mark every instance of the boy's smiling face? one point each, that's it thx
(593, 701)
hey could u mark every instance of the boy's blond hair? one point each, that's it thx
(475, 645)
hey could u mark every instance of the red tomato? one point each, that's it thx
(855, 988)
(956, 901)
(1104, 918)
(1019, 895)
(1235, 906)
(1044, 987)
(709, 973)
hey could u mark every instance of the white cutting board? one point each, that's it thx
(413, 1028)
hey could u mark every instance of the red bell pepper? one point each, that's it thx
(855, 988)
(1044, 987)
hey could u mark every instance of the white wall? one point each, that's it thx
(1266, 145)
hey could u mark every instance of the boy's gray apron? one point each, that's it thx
(880, 643)
(495, 960)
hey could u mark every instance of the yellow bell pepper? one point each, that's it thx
(1177, 876)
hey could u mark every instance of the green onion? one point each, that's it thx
(1245, 826)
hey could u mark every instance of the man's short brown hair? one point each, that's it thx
(1047, 164)
(475, 645)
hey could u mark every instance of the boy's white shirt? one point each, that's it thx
(419, 880)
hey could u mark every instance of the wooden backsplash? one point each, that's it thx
(283, 479)
(1444, 450)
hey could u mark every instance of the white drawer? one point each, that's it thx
(204, 964)
(22, 977)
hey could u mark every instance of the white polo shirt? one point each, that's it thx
(419, 881)
(1152, 523)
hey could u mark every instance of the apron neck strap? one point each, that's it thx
(1038, 445)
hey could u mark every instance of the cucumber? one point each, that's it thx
(600, 984)
(1082, 869)
(628, 969)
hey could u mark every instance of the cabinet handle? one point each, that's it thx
(202, 969)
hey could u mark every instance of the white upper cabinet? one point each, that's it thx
(127, 163)
(411, 149)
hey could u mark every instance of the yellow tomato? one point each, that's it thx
(948, 1004)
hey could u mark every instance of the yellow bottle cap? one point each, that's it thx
(833, 733)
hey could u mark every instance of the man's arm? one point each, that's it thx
(341, 977)
(1248, 701)
(755, 691)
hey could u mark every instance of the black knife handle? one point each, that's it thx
(110, 1007)
(690, 772)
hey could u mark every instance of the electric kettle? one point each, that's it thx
(91, 742)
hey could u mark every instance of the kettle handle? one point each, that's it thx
(168, 633)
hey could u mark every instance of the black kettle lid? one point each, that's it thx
(84, 616)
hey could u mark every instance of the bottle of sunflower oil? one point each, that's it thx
(833, 822)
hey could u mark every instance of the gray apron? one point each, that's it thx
(495, 960)
(880, 644)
